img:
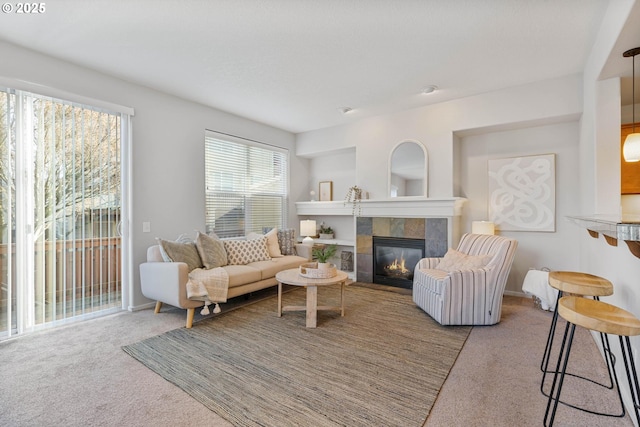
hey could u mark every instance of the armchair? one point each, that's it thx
(468, 288)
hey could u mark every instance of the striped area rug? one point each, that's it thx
(381, 365)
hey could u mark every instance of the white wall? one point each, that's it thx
(167, 146)
(600, 173)
(337, 167)
(434, 126)
(554, 250)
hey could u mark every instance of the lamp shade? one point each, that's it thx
(631, 148)
(307, 229)
(483, 227)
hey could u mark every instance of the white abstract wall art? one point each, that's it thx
(522, 193)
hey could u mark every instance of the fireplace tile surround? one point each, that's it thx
(434, 231)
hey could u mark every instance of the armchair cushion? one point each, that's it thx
(454, 260)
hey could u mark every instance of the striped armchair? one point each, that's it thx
(470, 295)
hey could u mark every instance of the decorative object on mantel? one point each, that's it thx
(315, 270)
(522, 193)
(307, 229)
(631, 147)
(354, 196)
(326, 191)
(326, 232)
(322, 253)
(312, 195)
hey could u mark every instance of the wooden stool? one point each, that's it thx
(581, 284)
(605, 318)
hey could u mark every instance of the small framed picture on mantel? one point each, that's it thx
(326, 191)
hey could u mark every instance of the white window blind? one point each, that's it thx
(246, 186)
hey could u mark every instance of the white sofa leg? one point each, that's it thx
(190, 313)
(158, 307)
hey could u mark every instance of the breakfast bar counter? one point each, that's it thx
(613, 228)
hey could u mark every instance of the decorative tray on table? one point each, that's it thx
(312, 270)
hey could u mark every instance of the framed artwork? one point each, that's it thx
(522, 193)
(326, 191)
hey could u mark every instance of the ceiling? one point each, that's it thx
(293, 64)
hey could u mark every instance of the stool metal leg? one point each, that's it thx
(544, 365)
(560, 373)
(569, 330)
(632, 375)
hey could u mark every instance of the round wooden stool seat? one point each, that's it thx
(577, 283)
(598, 316)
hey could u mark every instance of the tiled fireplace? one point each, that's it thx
(434, 220)
(433, 232)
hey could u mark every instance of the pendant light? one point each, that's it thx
(631, 146)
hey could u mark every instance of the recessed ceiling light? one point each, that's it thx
(430, 89)
(345, 110)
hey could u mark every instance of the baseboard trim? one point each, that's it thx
(141, 307)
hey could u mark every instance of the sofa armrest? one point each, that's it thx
(167, 282)
(304, 251)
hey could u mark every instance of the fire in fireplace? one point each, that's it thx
(394, 260)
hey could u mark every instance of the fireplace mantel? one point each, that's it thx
(400, 207)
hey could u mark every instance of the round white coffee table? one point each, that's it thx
(293, 277)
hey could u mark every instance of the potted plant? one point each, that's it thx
(323, 253)
(326, 232)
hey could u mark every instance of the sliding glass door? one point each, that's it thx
(60, 211)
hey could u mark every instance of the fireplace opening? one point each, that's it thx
(394, 260)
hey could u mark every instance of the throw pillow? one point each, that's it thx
(180, 252)
(211, 251)
(287, 241)
(454, 260)
(272, 242)
(240, 252)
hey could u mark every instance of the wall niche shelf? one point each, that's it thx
(613, 228)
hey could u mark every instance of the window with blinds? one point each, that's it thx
(246, 185)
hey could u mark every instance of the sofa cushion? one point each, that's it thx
(454, 260)
(287, 241)
(269, 269)
(180, 252)
(242, 274)
(272, 242)
(211, 251)
(241, 252)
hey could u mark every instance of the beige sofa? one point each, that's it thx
(166, 282)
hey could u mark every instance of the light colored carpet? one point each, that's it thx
(383, 364)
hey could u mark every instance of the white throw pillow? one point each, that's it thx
(455, 261)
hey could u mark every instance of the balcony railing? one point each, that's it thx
(71, 278)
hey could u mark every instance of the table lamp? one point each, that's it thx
(483, 227)
(307, 229)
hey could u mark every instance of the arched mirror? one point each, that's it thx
(408, 171)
